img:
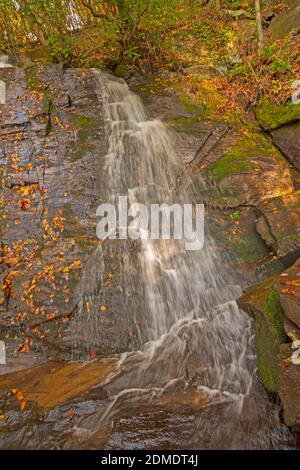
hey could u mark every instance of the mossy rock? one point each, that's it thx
(190, 106)
(40, 55)
(262, 303)
(80, 121)
(86, 135)
(272, 116)
(121, 71)
(185, 125)
(238, 158)
(151, 88)
(248, 248)
(248, 169)
(232, 162)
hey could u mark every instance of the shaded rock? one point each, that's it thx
(287, 22)
(262, 302)
(274, 304)
(245, 173)
(288, 286)
(289, 388)
(289, 392)
(291, 329)
(218, 140)
(279, 225)
(272, 116)
(287, 139)
(235, 230)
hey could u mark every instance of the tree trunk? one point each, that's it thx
(260, 33)
(39, 34)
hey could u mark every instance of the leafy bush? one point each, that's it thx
(280, 65)
(60, 48)
(270, 50)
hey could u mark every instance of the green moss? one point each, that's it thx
(239, 158)
(274, 314)
(267, 358)
(248, 250)
(235, 215)
(191, 107)
(232, 162)
(187, 125)
(239, 70)
(272, 116)
(262, 302)
(156, 88)
(86, 135)
(81, 121)
(270, 335)
(182, 121)
(121, 71)
(40, 55)
(85, 244)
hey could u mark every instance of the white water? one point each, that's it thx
(192, 334)
(4, 61)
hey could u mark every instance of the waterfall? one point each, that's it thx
(191, 332)
(4, 61)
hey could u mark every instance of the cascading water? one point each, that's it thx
(4, 61)
(193, 339)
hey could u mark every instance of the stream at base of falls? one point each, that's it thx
(193, 383)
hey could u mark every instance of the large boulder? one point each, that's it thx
(272, 116)
(274, 305)
(245, 173)
(279, 225)
(287, 22)
(287, 139)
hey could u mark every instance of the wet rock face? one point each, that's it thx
(55, 276)
(274, 305)
(51, 144)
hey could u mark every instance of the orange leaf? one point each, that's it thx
(22, 405)
(20, 395)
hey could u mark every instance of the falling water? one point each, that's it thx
(4, 61)
(193, 338)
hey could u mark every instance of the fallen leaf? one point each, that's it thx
(22, 405)
(20, 395)
(92, 355)
(69, 414)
